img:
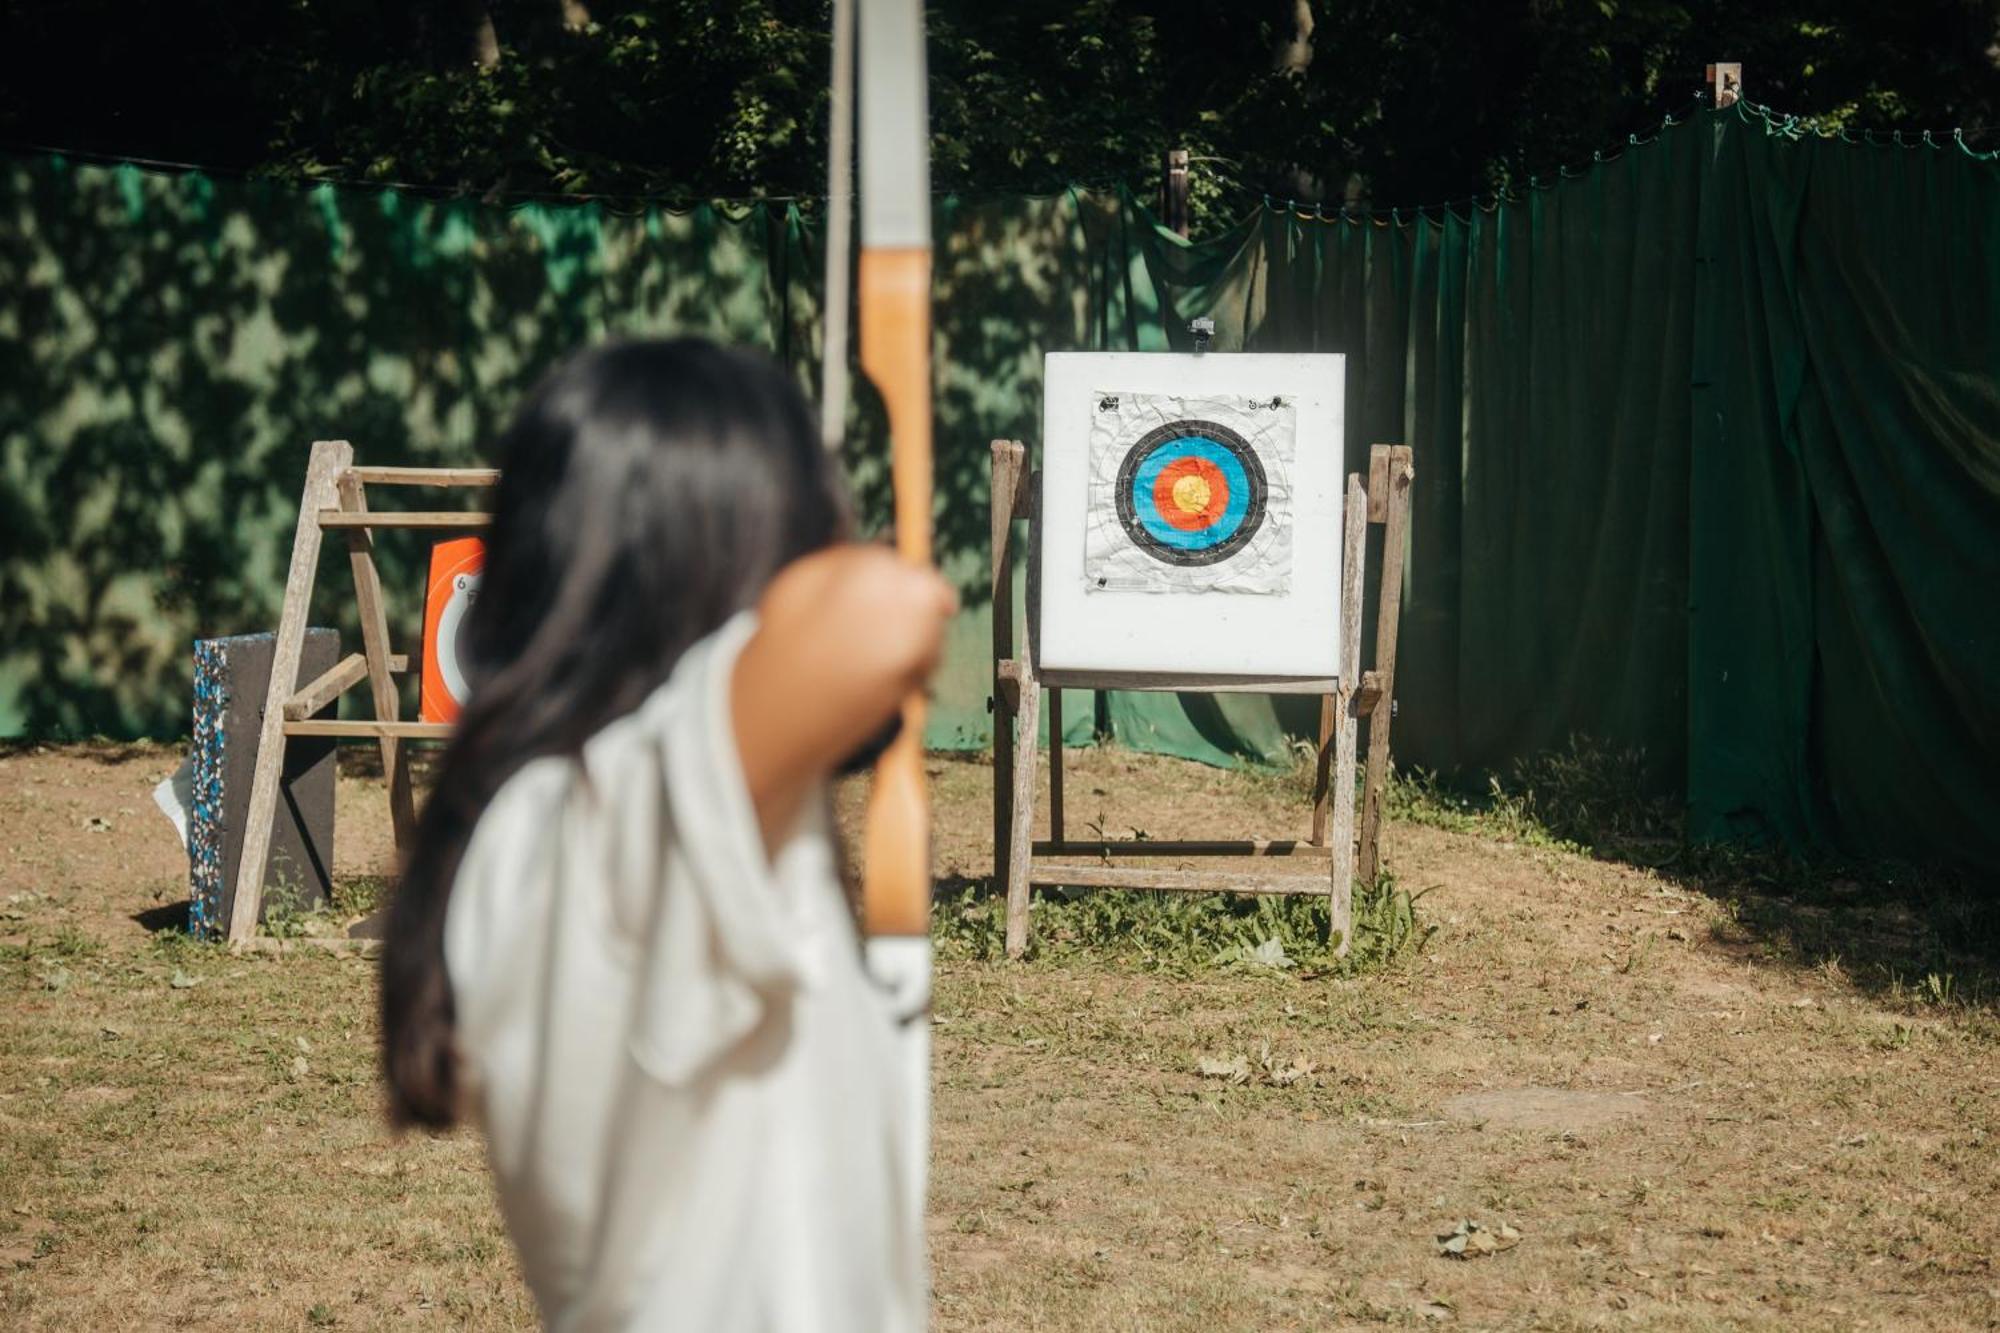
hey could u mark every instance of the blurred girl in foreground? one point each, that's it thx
(620, 942)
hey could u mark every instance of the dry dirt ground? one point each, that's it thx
(1659, 1109)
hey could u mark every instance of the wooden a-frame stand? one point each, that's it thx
(1020, 862)
(336, 499)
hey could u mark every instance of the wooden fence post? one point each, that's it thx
(1174, 192)
(1008, 459)
(1398, 472)
(1725, 82)
(1021, 841)
(1354, 550)
(328, 460)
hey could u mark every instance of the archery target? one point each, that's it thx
(1189, 494)
(1190, 520)
(453, 590)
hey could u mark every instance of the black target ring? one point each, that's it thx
(1219, 456)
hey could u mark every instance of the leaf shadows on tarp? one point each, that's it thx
(1706, 437)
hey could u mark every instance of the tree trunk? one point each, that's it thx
(1296, 54)
(1293, 58)
(485, 41)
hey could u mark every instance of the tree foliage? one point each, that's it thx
(1363, 101)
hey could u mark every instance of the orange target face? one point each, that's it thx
(449, 595)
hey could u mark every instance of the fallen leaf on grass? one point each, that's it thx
(1472, 1240)
(1467, 1244)
(1268, 1068)
(1236, 1069)
(1283, 1076)
(1281, 1073)
(1271, 953)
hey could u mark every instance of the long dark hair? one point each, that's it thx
(648, 492)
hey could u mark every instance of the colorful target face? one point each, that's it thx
(453, 589)
(1191, 493)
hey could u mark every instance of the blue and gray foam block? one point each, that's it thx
(230, 679)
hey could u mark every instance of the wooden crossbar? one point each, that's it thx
(334, 944)
(1051, 874)
(335, 681)
(431, 520)
(370, 728)
(1184, 684)
(1252, 847)
(335, 499)
(1022, 862)
(426, 476)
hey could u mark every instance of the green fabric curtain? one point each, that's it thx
(1707, 437)
(1845, 633)
(1536, 359)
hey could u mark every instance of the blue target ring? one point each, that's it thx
(1191, 493)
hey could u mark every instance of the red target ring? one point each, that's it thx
(1191, 494)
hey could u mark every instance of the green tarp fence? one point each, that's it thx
(1707, 437)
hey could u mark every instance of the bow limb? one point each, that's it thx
(895, 347)
(895, 322)
(895, 273)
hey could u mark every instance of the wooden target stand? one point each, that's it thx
(336, 500)
(1023, 863)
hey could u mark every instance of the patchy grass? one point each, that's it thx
(1672, 1114)
(1920, 935)
(193, 1139)
(1184, 933)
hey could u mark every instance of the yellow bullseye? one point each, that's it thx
(1191, 494)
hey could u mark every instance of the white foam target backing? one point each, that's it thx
(1295, 633)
